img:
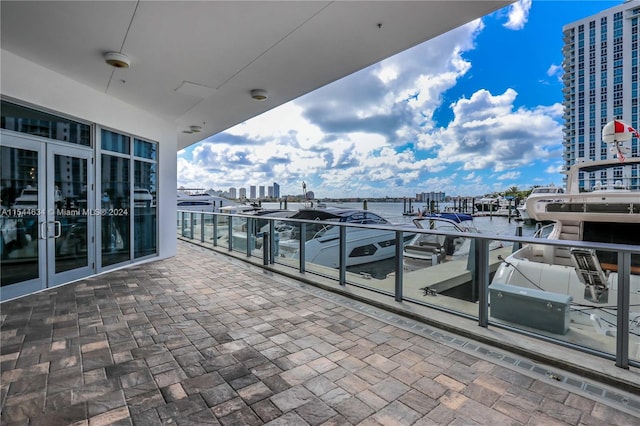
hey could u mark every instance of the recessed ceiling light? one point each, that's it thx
(259, 94)
(195, 129)
(117, 60)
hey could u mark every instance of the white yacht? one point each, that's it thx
(547, 192)
(202, 202)
(609, 211)
(488, 204)
(426, 250)
(322, 240)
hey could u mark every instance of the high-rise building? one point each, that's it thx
(276, 190)
(232, 193)
(252, 192)
(431, 196)
(270, 191)
(243, 193)
(600, 84)
(261, 191)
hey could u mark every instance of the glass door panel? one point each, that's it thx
(71, 218)
(115, 202)
(144, 212)
(22, 216)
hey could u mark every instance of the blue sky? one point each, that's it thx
(476, 110)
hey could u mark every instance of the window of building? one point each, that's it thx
(128, 197)
(27, 120)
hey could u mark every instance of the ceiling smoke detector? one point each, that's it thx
(259, 94)
(117, 60)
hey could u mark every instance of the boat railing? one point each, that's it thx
(462, 287)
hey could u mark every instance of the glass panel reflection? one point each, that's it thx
(71, 220)
(144, 211)
(27, 120)
(115, 209)
(18, 215)
(115, 142)
(144, 149)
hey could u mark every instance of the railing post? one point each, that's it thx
(302, 248)
(182, 223)
(230, 232)
(215, 230)
(202, 227)
(250, 233)
(622, 335)
(480, 274)
(516, 244)
(191, 216)
(399, 296)
(265, 248)
(272, 242)
(342, 260)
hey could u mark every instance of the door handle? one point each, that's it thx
(58, 226)
(43, 230)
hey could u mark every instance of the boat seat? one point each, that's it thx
(436, 250)
(570, 231)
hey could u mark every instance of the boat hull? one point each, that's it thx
(362, 246)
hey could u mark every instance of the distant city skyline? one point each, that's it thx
(474, 111)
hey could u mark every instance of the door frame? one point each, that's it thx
(47, 149)
(57, 278)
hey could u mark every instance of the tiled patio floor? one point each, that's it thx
(205, 339)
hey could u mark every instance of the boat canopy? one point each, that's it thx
(340, 215)
(454, 217)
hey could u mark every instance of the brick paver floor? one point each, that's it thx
(204, 339)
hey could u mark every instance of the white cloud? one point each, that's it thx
(518, 15)
(556, 71)
(487, 132)
(508, 176)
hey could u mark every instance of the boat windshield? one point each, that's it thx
(547, 191)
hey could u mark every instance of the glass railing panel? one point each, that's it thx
(371, 258)
(196, 226)
(530, 290)
(221, 231)
(186, 224)
(438, 272)
(258, 238)
(567, 293)
(287, 243)
(239, 236)
(321, 250)
(207, 226)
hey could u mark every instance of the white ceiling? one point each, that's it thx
(195, 62)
